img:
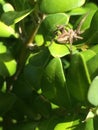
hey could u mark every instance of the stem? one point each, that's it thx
(25, 53)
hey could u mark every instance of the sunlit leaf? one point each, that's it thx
(11, 66)
(7, 62)
(92, 37)
(7, 31)
(92, 92)
(58, 50)
(67, 125)
(8, 7)
(53, 6)
(89, 124)
(3, 48)
(13, 17)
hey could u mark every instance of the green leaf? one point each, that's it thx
(93, 32)
(67, 125)
(7, 68)
(7, 62)
(8, 7)
(88, 54)
(78, 78)
(7, 100)
(13, 17)
(52, 20)
(41, 105)
(25, 126)
(91, 57)
(95, 48)
(2, 2)
(92, 92)
(22, 5)
(34, 75)
(58, 50)
(39, 39)
(95, 123)
(7, 31)
(89, 125)
(54, 83)
(93, 66)
(3, 48)
(24, 109)
(58, 6)
(33, 102)
(11, 66)
(34, 70)
(22, 88)
(78, 11)
(48, 124)
(88, 7)
(40, 59)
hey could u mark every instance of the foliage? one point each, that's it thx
(48, 81)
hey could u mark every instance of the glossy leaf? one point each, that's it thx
(92, 92)
(34, 75)
(8, 68)
(48, 124)
(25, 90)
(78, 11)
(54, 83)
(93, 28)
(3, 48)
(91, 5)
(40, 59)
(89, 11)
(95, 48)
(34, 70)
(93, 66)
(7, 63)
(52, 20)
(91, 57)
(58, 50)
(11, 66)
(88, 54)
(88, 7)
(89, 125)
(39, 39)
(13, 17)
(47, 6)
(67, 125)
(78, 79)
(8, 7)
(7, 31)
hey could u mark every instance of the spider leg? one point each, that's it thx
(70, 42)
(80, 24)
(78, 37)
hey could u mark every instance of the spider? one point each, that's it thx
(68, 35)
